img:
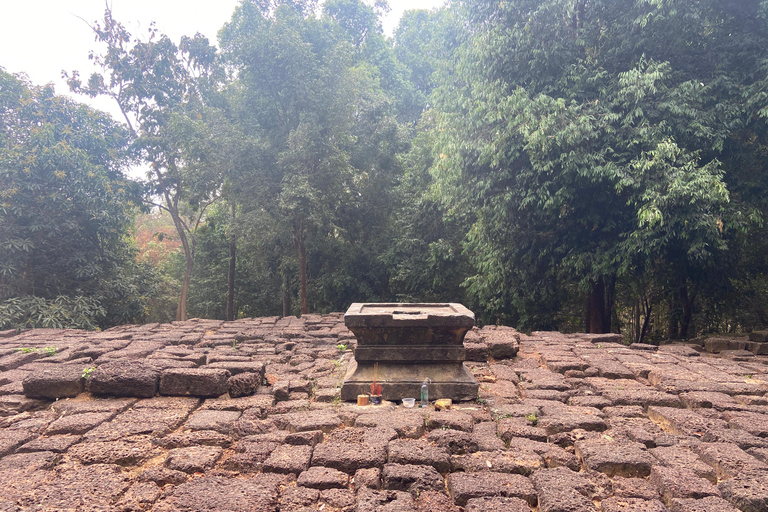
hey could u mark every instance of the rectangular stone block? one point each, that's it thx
(199, 382)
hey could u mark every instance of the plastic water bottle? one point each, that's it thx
(425, 394)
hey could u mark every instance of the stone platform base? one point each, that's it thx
(399, 380)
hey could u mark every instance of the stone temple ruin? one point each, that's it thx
(247, 415)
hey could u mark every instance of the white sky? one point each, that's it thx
(43, 37)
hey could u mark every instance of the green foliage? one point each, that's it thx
(59, 313)
(88, 371)
(582, 140)
(65, 213)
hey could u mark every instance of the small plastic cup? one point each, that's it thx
(409, 402)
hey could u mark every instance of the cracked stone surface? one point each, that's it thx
(244, 415)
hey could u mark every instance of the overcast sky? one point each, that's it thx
(43, 37)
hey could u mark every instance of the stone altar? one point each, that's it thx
(410, 343)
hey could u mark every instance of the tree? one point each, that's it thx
(583, 140)
(324, 127)
(65, 210)
(170, 99)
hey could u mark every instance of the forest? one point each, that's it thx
(578, 165)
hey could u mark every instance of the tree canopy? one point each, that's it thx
(569, 164)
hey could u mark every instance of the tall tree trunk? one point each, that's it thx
(685, 319)
(298, 238)
(286, 292)
(646, 322)
(596, 307)
(181, 309)
(610, 299)
(231, 273)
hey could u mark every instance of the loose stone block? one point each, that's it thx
(11, 440)
(754, 423)
(243, 384)
(163, 476)
(58, 381)
(465, 486)
(239, 367)
(407, 423)
(553, 483)
(309, 438)
(199, 382)
(503, 343)
(323, 420)
(455, 420)
(509, 428)
(124, 378)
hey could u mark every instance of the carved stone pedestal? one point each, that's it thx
(410, 343)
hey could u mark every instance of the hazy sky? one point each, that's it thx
(43, 37)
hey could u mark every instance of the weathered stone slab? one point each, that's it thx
(349, 457)
(412, 478)
(122, 453)
(681, 483)
(318, 477)
(747, 491)
(289, 459)
(57, 381)
(710, 504)
(466, 486)
(124, 378)
(621, 504)
(78, 423)
(220, 421)
(682, 457)
(496, 503)
(193, 458)
(522, 462)
(629, 460)
(684, 422)
(728, 459)
(419, 452)
(199, 382)
(258, 492)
